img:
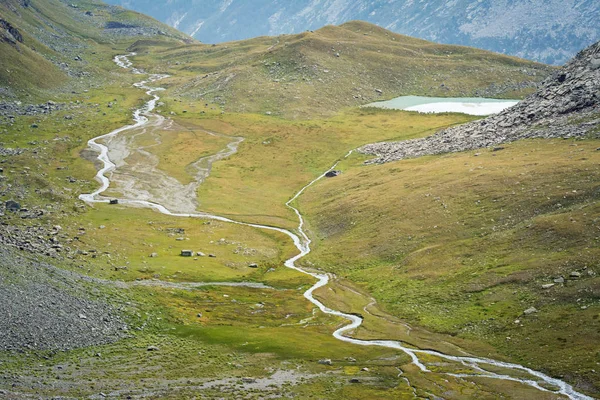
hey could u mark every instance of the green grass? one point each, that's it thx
(56, 33)
(130, 236)
(461, 245)
(457, 245)
(279, 157)
(300, 76)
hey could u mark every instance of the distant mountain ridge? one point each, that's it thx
(549, 31)
(356, 63)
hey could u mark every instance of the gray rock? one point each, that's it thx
(559, 280)
(12, 205)
(548, 286)
(41, 305)
(530, 310)
(326, 361)
(575, 274)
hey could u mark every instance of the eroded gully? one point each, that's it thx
(302, 243)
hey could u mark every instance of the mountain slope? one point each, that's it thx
(54, 44)
(498, 244)
(566, 105)
(550, 31)
(320, 72)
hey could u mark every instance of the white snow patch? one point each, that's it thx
(225, 5)
(197, 28)
(178, 21)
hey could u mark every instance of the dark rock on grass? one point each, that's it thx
(567, 105)
(10, 152)
(332, 174)
(117, 25)
(44, 308)
(12, 206)
(10, 34)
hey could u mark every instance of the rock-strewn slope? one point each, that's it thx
(566, 105)
(45, 308)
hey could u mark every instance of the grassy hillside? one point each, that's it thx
(463, 244)
(58, 47)
(317, 73)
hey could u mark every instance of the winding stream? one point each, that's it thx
(302, 243)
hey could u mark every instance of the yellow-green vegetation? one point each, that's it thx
(456, 245)
(127, 243)
(178, 148)
(63, 47)
(463, 244)
(278, 156)
(321, 72)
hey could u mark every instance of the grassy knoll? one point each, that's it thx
(322, 72)
(462, 244)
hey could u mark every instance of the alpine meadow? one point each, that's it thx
(330, 212)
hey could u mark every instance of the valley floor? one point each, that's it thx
(480, 254)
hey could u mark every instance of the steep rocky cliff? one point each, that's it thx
(566, 105)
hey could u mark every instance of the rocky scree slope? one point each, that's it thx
(45, 308)
(567, 105)
(550, 31)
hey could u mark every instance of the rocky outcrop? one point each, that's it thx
(10, 109)
(566, 105)
(9, 33)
